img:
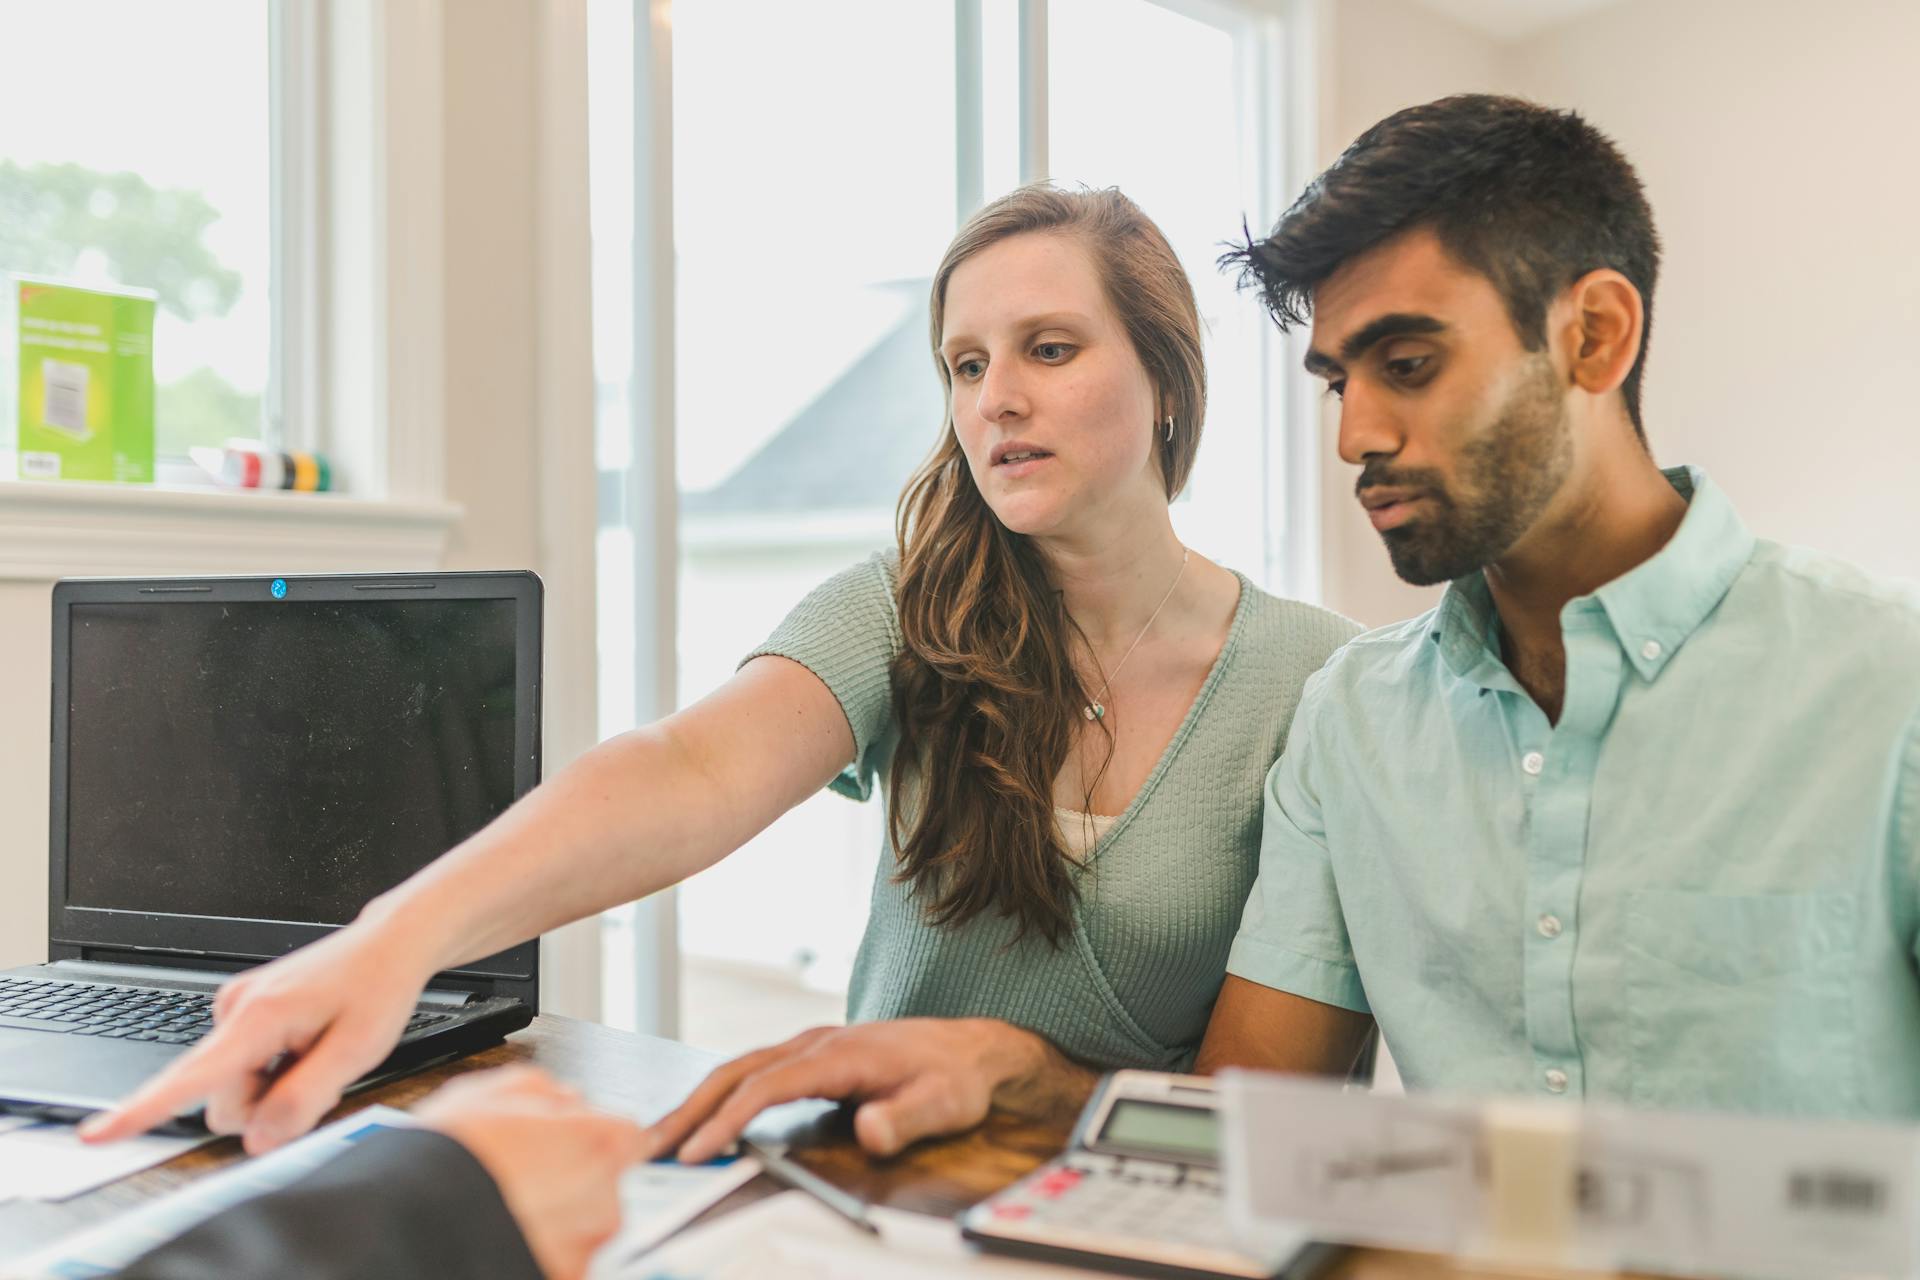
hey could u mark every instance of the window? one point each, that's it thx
(135, 151)
(803, 244)
(1109, 125)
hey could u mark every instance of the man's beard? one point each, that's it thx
(1505, 478)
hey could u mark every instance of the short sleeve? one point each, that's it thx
(1293, 935)
(847, 632)
(1904, 837)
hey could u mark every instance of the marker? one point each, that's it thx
(783, 1170)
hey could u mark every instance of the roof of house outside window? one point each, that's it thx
(854, 445)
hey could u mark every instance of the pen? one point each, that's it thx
(783, 1170)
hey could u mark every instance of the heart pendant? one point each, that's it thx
(1094, 712)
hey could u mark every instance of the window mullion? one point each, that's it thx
(293, 412)
(1034, 123)
(1288, 74)
(969, 149)
(653, 494)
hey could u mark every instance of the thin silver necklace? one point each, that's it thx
(1096, 710)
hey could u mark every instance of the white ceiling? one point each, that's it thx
(1514, 19)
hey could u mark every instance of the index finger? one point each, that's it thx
(670, 1130)
(191, 1077)
(632, 1144)
(829, 1075)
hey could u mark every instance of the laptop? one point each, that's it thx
(238, 766)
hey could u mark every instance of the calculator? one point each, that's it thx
(1137, 1192)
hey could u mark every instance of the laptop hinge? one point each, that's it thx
(138, 974)
(199, 979)
(446, 999)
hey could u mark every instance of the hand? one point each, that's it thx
(337, 1007)
(556, 1161)
(914, 1078)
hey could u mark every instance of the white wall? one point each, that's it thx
(1776, 143)
(519, 388)
(25, 674)
(490, 325)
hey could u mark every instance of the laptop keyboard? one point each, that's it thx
(123, 1013)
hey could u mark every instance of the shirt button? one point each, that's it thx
(1533, 762)
(1549, 926)
(1651, 650)
(1556, 1080)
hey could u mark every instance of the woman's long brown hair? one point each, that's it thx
(985, 691)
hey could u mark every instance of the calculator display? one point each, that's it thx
(1159, 1127)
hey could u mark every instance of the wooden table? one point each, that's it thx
(646, 1074)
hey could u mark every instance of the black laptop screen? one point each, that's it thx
(281, 760)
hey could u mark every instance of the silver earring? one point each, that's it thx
(1169, 428)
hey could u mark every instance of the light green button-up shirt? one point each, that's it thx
(1698, 889)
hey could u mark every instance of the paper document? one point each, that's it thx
(793, 1236)
(658, 1199)
(45, 1160)
(115, 1243)
(1597, 1187)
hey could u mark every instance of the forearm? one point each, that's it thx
(632, 816)
(1265, 1029)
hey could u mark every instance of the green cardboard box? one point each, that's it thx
(80, 380)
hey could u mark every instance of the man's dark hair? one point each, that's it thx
(1530, 197)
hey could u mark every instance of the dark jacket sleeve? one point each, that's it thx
(409, 1202)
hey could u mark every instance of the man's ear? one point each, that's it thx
(1606, 320)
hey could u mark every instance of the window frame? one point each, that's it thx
(296, 108)
(356, 139)
(1276, 78)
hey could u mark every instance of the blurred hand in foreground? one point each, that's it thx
(556, 1160)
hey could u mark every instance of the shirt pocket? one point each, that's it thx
(1742, 1002)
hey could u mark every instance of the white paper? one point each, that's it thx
(44, 1160)
(793, 1236)
(118, 1241)
(658, 1199)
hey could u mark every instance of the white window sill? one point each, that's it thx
(58, 529)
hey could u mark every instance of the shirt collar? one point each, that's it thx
(1653, 608)
(1466, 627)
(1657, 605)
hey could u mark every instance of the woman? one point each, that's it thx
(1073, 714)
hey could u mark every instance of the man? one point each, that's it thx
(1633, 814)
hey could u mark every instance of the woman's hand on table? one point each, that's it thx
(911, 1079)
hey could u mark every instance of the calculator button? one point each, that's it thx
(1056, 1184)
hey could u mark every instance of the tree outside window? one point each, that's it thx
(141, 161)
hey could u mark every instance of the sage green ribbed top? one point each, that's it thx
(1161, 893)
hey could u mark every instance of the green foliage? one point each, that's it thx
(53, 214)
(202, 408)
